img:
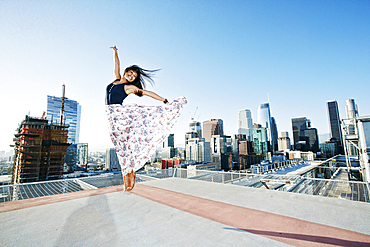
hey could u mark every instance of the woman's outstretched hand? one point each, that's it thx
(113, 48)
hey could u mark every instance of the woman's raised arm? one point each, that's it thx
(154, 95)
(116, 71)
(133, 89)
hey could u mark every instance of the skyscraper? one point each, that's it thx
(264, 116)
(72, 115)
(264, 119)
(334, 123)
(245, 124)
(274, 135)
(212, 127)
(305, 138)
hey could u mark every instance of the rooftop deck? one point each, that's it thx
(184, 212)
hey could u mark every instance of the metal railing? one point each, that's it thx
(14, 192)
(351, 190)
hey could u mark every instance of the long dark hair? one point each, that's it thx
(143, 76)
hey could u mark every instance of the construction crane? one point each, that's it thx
(196, 109)
(62, 110)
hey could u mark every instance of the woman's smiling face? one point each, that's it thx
(130, 75)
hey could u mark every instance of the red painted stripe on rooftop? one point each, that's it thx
(281, 228)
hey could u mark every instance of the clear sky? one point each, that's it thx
(222, 55)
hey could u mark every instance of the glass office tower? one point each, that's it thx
(264, 119)
(72, 115)
(305, 137)
(334, 124)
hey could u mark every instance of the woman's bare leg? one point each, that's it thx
(125, 182)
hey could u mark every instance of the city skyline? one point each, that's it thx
(223, 58)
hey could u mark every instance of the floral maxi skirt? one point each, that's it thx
(137, 131)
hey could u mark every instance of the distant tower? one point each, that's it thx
(334, 123)
(212, 127)
(245, 124)
(72, 112)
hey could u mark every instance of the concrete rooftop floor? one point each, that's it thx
(184, 212)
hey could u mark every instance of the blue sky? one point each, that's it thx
(222, 55)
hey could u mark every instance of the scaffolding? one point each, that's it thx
(356, 136)
(39, 151)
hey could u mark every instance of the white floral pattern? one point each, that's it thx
(137, 131)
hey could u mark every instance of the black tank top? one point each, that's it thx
(115, 94)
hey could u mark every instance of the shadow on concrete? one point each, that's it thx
(280, 236)
(91, 225)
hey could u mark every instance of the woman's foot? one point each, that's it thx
(130, 181)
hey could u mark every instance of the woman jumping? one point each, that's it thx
(137, 131)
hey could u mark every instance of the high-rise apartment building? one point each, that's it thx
(198, 150)
(245, 124)
(334, 124)
(304, 136)
(212, 127)
(72, 115)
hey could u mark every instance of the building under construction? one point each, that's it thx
(39, 150)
